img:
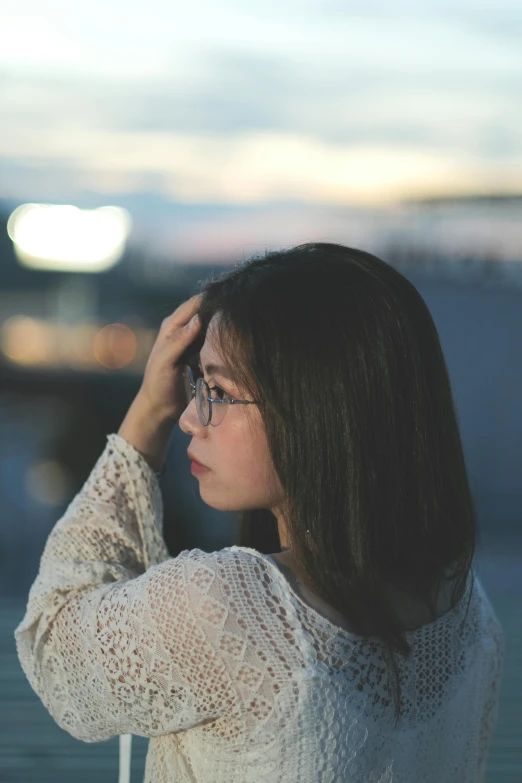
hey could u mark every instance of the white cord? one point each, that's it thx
(125, 758)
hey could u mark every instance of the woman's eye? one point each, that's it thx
(219, 392)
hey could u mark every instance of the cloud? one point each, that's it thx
(252, 93)
(254, 167)
(338, 100)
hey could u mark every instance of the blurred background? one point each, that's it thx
(143, 148)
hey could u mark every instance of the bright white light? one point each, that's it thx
(66, 238)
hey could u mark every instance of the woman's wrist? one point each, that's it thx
(149, 432)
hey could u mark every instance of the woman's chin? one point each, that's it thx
(213, 500)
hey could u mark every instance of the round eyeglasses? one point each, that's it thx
(204, 402)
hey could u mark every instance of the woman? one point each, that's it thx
(364, 648)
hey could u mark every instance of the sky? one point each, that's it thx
(325, 102)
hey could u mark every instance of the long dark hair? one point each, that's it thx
(343, 355)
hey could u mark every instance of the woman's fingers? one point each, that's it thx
(181, 316)
(185, 311)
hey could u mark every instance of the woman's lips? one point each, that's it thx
(196, 467)
(194, 459)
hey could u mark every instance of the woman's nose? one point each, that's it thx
(189, 420)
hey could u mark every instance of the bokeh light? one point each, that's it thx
(66, 238)
(115, 346)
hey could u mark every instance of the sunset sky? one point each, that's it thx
(331, 102)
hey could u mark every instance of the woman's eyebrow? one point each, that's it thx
(218, 369)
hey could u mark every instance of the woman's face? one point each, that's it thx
(240, 475)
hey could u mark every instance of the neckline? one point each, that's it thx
(441, 620)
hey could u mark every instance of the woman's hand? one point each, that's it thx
(161, 399)
(163, 388)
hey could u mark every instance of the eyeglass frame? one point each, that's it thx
(210, 399)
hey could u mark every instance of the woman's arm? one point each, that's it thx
(148, 432)
(115, 639)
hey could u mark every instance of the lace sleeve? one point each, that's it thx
(491, 706)
(109, 641)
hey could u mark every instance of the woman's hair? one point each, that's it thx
(343, 356)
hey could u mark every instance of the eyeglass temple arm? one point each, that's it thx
(228, 402)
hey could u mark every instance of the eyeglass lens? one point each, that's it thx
(202, 393)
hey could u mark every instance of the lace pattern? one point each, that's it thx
(215, 659)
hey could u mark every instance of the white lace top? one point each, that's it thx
(230, 674)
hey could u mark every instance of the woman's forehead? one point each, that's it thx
(209, 354)
(210, 351)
